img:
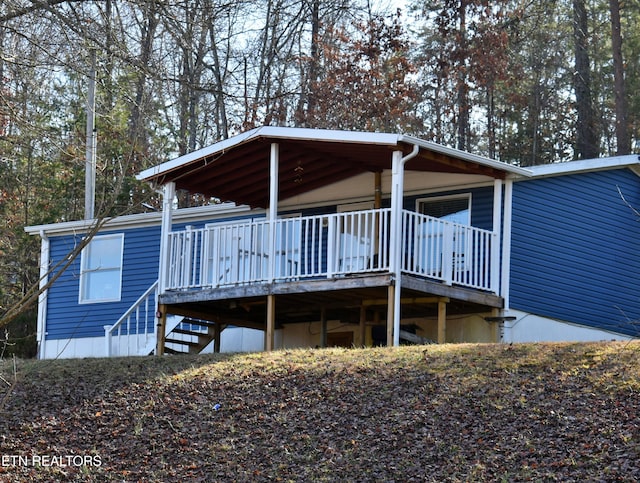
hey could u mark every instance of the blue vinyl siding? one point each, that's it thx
(66, 318)
(576, 249)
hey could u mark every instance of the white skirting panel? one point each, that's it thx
(533, 328)
(238, 339)
(73, 348)
(234, 339)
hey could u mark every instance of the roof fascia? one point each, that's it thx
(586, 165)
(288, 133)
(139, 220)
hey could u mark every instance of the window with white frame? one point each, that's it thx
(455, 208)
(101, 269)
(432, 238)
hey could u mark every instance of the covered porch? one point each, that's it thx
(374, 267)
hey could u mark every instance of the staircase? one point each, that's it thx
(135, 333)
(190, 336)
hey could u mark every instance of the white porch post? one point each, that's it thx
(272, 216)
(495, 239)
(506, 243)
(272, 210)
(168, 194)
(395, 242)
(397, 234)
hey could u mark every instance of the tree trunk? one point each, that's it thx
(586, 144)
(313, 65)
(463, 88)
(623, 141)
(137, 132)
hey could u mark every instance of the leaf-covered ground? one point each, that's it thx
(541, 412)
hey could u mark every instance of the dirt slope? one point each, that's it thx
(544, 412)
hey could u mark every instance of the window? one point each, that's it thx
(435, 238)
(101, 269)
(450, 208)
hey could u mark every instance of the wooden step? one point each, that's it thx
(187, 332)
(194, 346)
(182, 342)
(201, 323)
(169, 350)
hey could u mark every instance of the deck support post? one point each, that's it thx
(391, 299)
(216, 341)
(442, 321)
(323, 327)
(495, 327)
(361, 329)
(162, 328)
(271, 323)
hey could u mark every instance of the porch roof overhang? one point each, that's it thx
(237, 169)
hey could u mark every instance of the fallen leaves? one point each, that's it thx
(469, 412)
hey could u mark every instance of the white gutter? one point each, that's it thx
(42, 298)
(397, 196)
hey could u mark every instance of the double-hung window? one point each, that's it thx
(101, 269)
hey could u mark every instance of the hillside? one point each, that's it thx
(568, 412)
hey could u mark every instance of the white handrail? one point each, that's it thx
(136, 323)
(330, 245)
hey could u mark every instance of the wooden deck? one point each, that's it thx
(342, 266)
(340, 298)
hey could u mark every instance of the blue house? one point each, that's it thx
(328, 238)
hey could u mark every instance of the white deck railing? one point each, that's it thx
(450, 252)
(135, 332)
(329, 246)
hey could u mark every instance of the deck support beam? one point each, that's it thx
(271, 323)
